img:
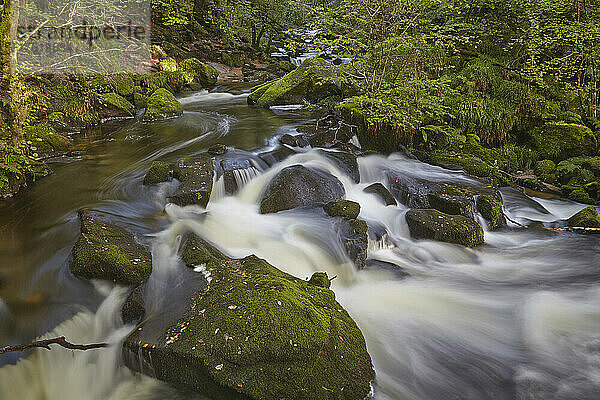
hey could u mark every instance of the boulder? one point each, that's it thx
(114, 106)
(558, 140)
(382, 192)
(196, 175)
(106, 251)
(397, 270)
(342, 208)
(435, 225)
(162, 105)
(276, 155)
(198, 72)
(237, 167)
(298, 186)
(344, 161)
(293, 141)
(158, 172)
(320, 279)
(313, 81)
(253, 332)
(586, 218)
(355, 240)
(491, 210)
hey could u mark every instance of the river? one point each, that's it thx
(517, 318)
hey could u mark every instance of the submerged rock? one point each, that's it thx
(298, 186)
(586, 218)
(254, 332)
(382, 192)
(162, 105)
(313, 81)
(106, 251)
(435, 225)
(196, 176)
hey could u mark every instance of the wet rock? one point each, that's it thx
(217, 149)
(158, 172)
(162, 105)
(293, 141)
(313, 81)
(298, 186)
(344, 161)
(491, 210)
(355, 240)
(106, 251)
(342, 208)
(320, 279)
(586, 218)
(196, 176)
(237, 167)
(254, 332)
(381, 191)
(275, 156)
(435, 225)
(387, 266)
(133, 309)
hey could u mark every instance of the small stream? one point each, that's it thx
(517, 318)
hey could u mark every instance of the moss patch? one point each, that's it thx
(342, 208)
(558, 140)
(159, 172)
(162, 105)
(586, 218)
(491, 209)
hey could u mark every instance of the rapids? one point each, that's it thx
(517, 318)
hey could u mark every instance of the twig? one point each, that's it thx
(513, 221)
(61, 341)
(578, 229)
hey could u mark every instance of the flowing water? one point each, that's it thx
(517, 318)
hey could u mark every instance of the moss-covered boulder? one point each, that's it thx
(342, 208)
(314, 80)
(198, 72)
(162, 105)
(106, 251)
(581, 196)
(298, 186)
(381, 191)
(45, 140)
(115, 106)
(196, 176)
(435, 225)
(158, 172)
(320, 279)
(586, 218)
(490, 209)
(254, 332)
(558, 140)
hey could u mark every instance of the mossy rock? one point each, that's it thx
(313, 81)
(217, 149)
(581, 196)
(342, 208)
(140, 99)
(257, 91)
(122, 84)
(320, 279)
(196, 176)
(115, 106)
(572, 174)
(451, 199)
(590, 163)
(443, 138)
(586, 218)
(298, 186)
(491, 210)
(254, 332)
(158, 172)
(382, 192)
(558, 140)
(162, 105)
(435, 225)
(45, 139)
(198, 72)
(545, 167)
(471, 165)
(106, 251)
(168, 64)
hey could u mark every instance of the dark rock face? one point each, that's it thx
(106, 251)
(298, 186)
(279, 154)
(345, 162)
(388, 266)
(434, 225)
(133, 308)
(382, 192)
(342, 208)
(237, 167)
(293, 141)
(196, 176)
(254, 332)
(355, 240)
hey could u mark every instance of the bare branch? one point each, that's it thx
(61, 341)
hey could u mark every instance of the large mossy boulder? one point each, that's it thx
(196, 176)
(314, 80)
(435, 225)
(253, 332)
(106, 251)
(114, 106)
(195, 71)
(558, 140)
(298, 186)
(162, 105)
(586, 218)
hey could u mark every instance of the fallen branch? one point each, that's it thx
(61, 341)
(578, 229)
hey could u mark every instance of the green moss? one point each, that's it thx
(545, 167)
(572, 174)
(491, 209)
(115, 106)
(451, 200)
(106, 251)
(45, 139)
(558, 141)
(320, 279)
(122, 84)
(257, 332)
(581, 196)
(359, 226)
(342, 208)
(258, 91)
(158, 172)
(168, 64)
(471, 165)
(586, 218)
(162, 105)
(435, 225)
(196, 71)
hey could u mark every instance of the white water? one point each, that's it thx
(516, 318)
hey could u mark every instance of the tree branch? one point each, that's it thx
(61, 341)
